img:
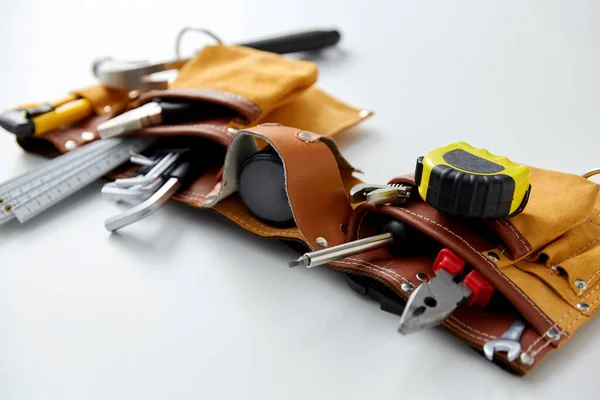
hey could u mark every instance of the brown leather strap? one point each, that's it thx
(319, 201)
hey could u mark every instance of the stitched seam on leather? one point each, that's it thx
(390, 273)
(368, 267)
(581, 315)
(486, 260)
(583, 248)
(536, 352)
(192, 196)
(465, 332)
(562, 332)
(383, 268)
(473, 329)
(266, 229)
(253, 229)
(593, 276)
(593, 222)
(517, 234)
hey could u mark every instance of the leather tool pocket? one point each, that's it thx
(558, 202)
(316, 191)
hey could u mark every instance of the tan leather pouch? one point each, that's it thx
(240, 86)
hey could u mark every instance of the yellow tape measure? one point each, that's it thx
(469, 182)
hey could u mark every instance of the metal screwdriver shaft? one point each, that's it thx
(321, 257)
(395, 236)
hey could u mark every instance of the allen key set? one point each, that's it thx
(148, 191)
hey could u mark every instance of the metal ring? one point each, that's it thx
(187, 29)
(591, 173)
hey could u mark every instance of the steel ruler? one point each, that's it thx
(32, 193)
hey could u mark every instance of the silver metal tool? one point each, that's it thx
(322, 257)
(57, 162)
(173, 180)
(432, 302)
(154, 174)
(45, 178)
(509, 342)
(396, 236)
(133, 195)
(136, 193)
(591, 172)
(144, 209)
(34, 192)
(149, 114)
(435, 299)
(394, 194)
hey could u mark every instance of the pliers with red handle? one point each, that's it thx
(433, 301)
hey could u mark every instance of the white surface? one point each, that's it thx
(187, 306)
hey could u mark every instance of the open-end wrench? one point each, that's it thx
(509, 342)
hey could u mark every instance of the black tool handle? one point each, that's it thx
(296, 42)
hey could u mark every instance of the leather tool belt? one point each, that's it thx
(542, 262)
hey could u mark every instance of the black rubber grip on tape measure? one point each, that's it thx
(470, 195)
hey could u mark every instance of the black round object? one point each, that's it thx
(261, 186)
(408, 240)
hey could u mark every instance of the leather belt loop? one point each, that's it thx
(319, 201)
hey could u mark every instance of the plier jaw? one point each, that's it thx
(432, 302)
(435, 300)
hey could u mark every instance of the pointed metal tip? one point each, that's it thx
(301, 261)
(407, 329)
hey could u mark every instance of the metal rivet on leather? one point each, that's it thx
(553, 334)
(422, 277)
(304, 136)
(581, 284)
(407, 287)
(526, 359)
(583, 307)
(493, 256)
(232, 131)
(321, 241)
(87, 136)
(364, 113)
(554, 267)
(70, 145)
(107, 109)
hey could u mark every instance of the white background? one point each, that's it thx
(185, 305)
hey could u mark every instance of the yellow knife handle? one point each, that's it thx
(65, 114)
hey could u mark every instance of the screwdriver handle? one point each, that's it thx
(296, 42)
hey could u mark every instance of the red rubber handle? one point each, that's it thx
(482, 289)
(449, 261)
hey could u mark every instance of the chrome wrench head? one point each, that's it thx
(510, 347)
(508, 343)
